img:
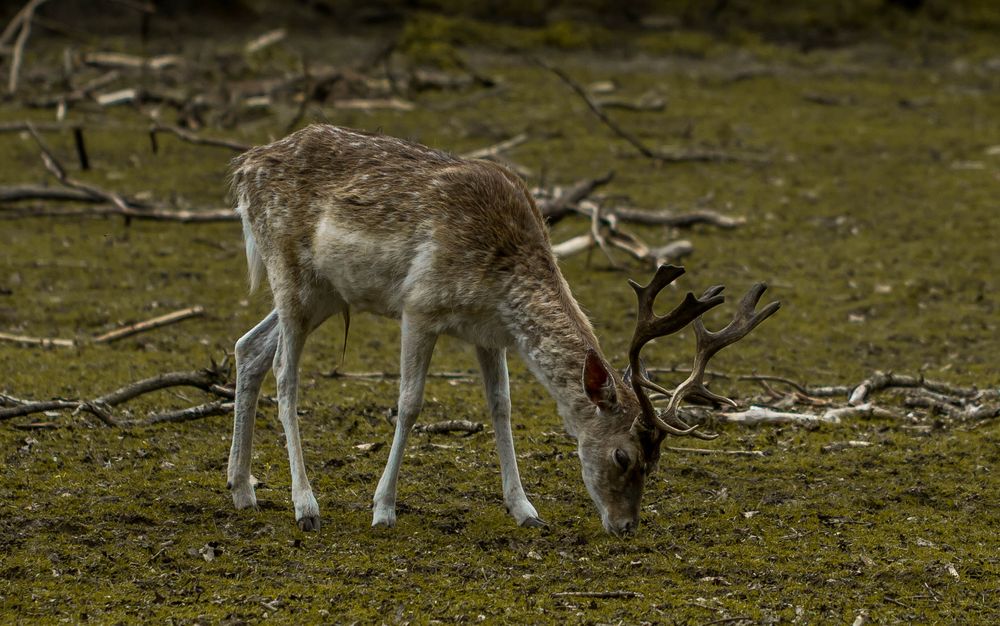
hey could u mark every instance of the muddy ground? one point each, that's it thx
(873, 218)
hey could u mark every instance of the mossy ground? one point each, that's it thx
(875, 221)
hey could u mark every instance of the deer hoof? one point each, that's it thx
(308, 524)
(534, 522)
(244, 497)
(384, 518)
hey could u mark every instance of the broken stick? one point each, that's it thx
(156, 322)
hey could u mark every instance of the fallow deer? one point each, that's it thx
(343, 220)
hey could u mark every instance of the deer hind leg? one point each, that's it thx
(415, 358)
(493, 363)
(254, 355)
(296, 320)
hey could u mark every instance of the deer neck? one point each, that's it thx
(553, 335)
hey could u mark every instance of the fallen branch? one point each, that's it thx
(209, 409)
(886, 380)
(151, 324)
(762, 415)
(149, 214)
(678, 220)
(209, 380)
(450, 426)
(18, 193)
(554, 209)
(121, 205)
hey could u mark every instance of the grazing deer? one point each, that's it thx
(341, 219)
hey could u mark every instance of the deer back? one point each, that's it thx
(392, 225)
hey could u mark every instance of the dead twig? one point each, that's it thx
(597, 594)
(45, 342)
(219, 407)
(497, 148)
(713, 451)
(194, 138)
(117, 60)
(677, 156)
(150, 324)
(467, 376)
(22, 25)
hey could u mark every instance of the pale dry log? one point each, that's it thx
(45, 342)
(574, 245)
(886, 380)
(449, 426)
(762, 415)
(150, 324)
(119, 96)
(970, 412)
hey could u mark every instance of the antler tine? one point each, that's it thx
(709, 343)
(650, 326)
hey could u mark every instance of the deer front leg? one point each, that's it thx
(415, 358)
(254, 355)
(493, 364)
(286, 369)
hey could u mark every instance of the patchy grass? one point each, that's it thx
(879, 209)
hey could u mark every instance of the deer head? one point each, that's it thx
(621, 447)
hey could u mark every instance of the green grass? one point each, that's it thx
(868, 211)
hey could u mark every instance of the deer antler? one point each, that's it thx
(650, 326)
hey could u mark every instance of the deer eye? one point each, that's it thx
(621, 458)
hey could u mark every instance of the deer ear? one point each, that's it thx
(597, 382)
